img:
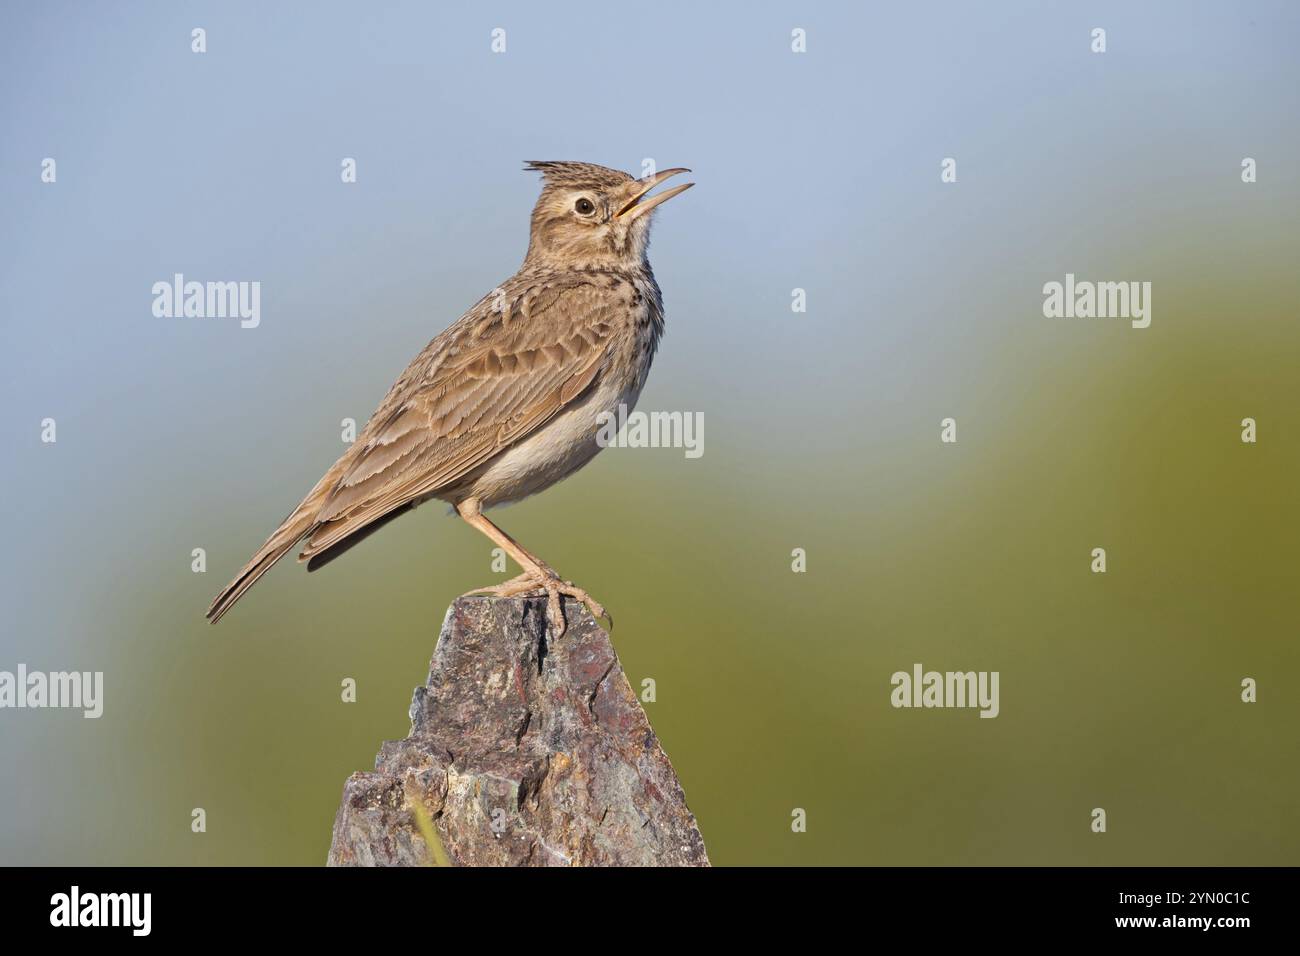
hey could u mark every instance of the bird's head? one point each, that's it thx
(593, 215)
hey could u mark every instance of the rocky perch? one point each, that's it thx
(523, 751)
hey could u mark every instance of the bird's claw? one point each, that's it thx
(551, 585)
(555, 588)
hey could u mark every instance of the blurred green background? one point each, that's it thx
(817, 171)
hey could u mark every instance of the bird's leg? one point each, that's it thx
(537, 576)
(511, 548)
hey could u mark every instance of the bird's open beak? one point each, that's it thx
(635, 207)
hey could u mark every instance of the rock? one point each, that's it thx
(524, 751)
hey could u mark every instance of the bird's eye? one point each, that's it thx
(584, 206)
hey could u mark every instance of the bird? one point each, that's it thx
(510, 398)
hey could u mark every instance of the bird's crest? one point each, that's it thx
(569, 174)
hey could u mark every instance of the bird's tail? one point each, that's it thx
(291, 531)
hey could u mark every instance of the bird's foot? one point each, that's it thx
(531, 583)
(524, 584)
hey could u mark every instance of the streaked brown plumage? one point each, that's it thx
(505, 402)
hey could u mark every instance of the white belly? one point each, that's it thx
(561, 447)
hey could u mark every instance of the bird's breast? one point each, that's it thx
(561, 446)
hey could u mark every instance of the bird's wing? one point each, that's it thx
(499, 376)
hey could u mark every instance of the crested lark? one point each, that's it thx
(507, 401)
